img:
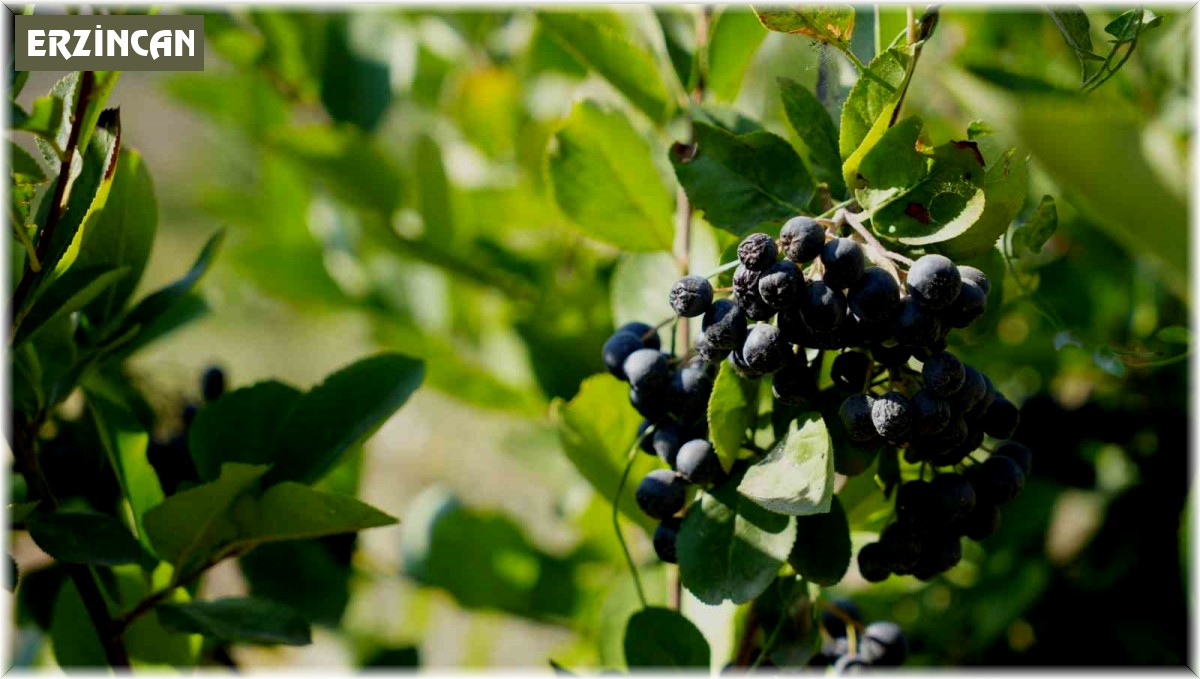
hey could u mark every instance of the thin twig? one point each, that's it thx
(637, 580)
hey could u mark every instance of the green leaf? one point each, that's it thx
(660, 638)
(596, 40)
(603, 178)
(734, 37)
(732, 409)
(435, 195)
(315, 583)
(1141, 207)
(796, 476)
(341, 412)
(816, 130)
(84, 537)
(19, 511)
(1173, 334)
(44, 118)
(943, 205)
(678, 31)
(440, 535)
(293, 511)
(1006, 186)
(729, 547)
(726, 118)
(66, 89)
(1125, 27)
(247, 621)
(742, 181)
(66, 295)
(355, 88)
(1076, 29)
(821, 553)
(188, 527)
(639, 285)
(892, 167)
(122, 235)
(159, 303)
(180, 312)
(72, 635)
(849, 458)
(241, 426)
(833, 24)
(24, 169)
(870, 108)
(350, 165)
(125, 441)
(1033, 234)
(597, 428)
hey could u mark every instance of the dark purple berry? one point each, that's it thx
(934, 281)
(691, 296)
(802, 239)
(757, 252)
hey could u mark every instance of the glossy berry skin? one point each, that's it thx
(884, 645)
(781, 285)
(930, 413)
(875, 296)
(661, 494)
(892, 416)
(665, 442)
(955, 496)
(972, 391)
(644, 331)
(1017, 452)
(665, 536)
(943, 373)
(802, 239)
(1001, 418)
(968, 307)
(765, 350)
(999, 480)
(212, 384)
(915, 326)
(691, 296)
(855, 414)
(617, 349)
(849, 371)
(724, 324)
(844, 262)
(970, 273)
(757, 252)
(689, 392)
(822, 308)
(652, 406)
(934, 281)
(647, 370)
(698, 463)
(873, 563)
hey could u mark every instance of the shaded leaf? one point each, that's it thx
(821, 553)
(151, 307)
(742, 181)
(726, 118)
(1033, 234)
(796, 476)
(66, 295)
(1073, 23)
(355, 88)
(44, 119)
(18, 511)
(604, 179)
(125, 441)
(596, 39)
(729, 547)
(341, 412)
(678, 31)
(732, 409)
(832, 24)
(84, 537)
(241, 426)
(660, 638)
(816, 130)
(23, 168)
(293, 511)
(316, 585)
(234, 620)
(350, 165)
(1125, 27)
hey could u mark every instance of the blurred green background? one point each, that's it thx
(381, 177)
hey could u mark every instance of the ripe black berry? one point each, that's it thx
(707, 352)
(753, 304)
(903, 544)
(691, 296)
(934, 281)
(652, 405)
(1018, 453)
(970, 273)
(647, 370)
(697, 462)
(794, 383)
(661, 494)
(943, 373)
(645, 332)
(782, 285)
(665, 535)
(930, 413)
(802, 239)
(970, 304)
(617, 349)
(983, 522)
(915, 326)
(915, 502)
(890, 357)
(1001, 418)
(689, 392)
(757, 252)
(646, 441)
(849, 371)
(666, 441)
(765, 350)
(212, 384)
(873, 563)
(724, 324)
(954, 495)
(740, 366)
(822, 308)
(892, 416)
(850, 664)
(875, 296)
(970, 393)
(998, 480)
(835, 624)
(844, 262)
(855, 414)
(884, 645)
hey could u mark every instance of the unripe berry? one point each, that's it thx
(934, 281)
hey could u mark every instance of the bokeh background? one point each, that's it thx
(380, 174)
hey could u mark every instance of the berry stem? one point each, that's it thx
(616, 518)
(879, 253)
(722, 269)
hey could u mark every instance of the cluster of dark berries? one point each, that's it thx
(933, 516)
(672, 396)
(879, 644)
(170, 457)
